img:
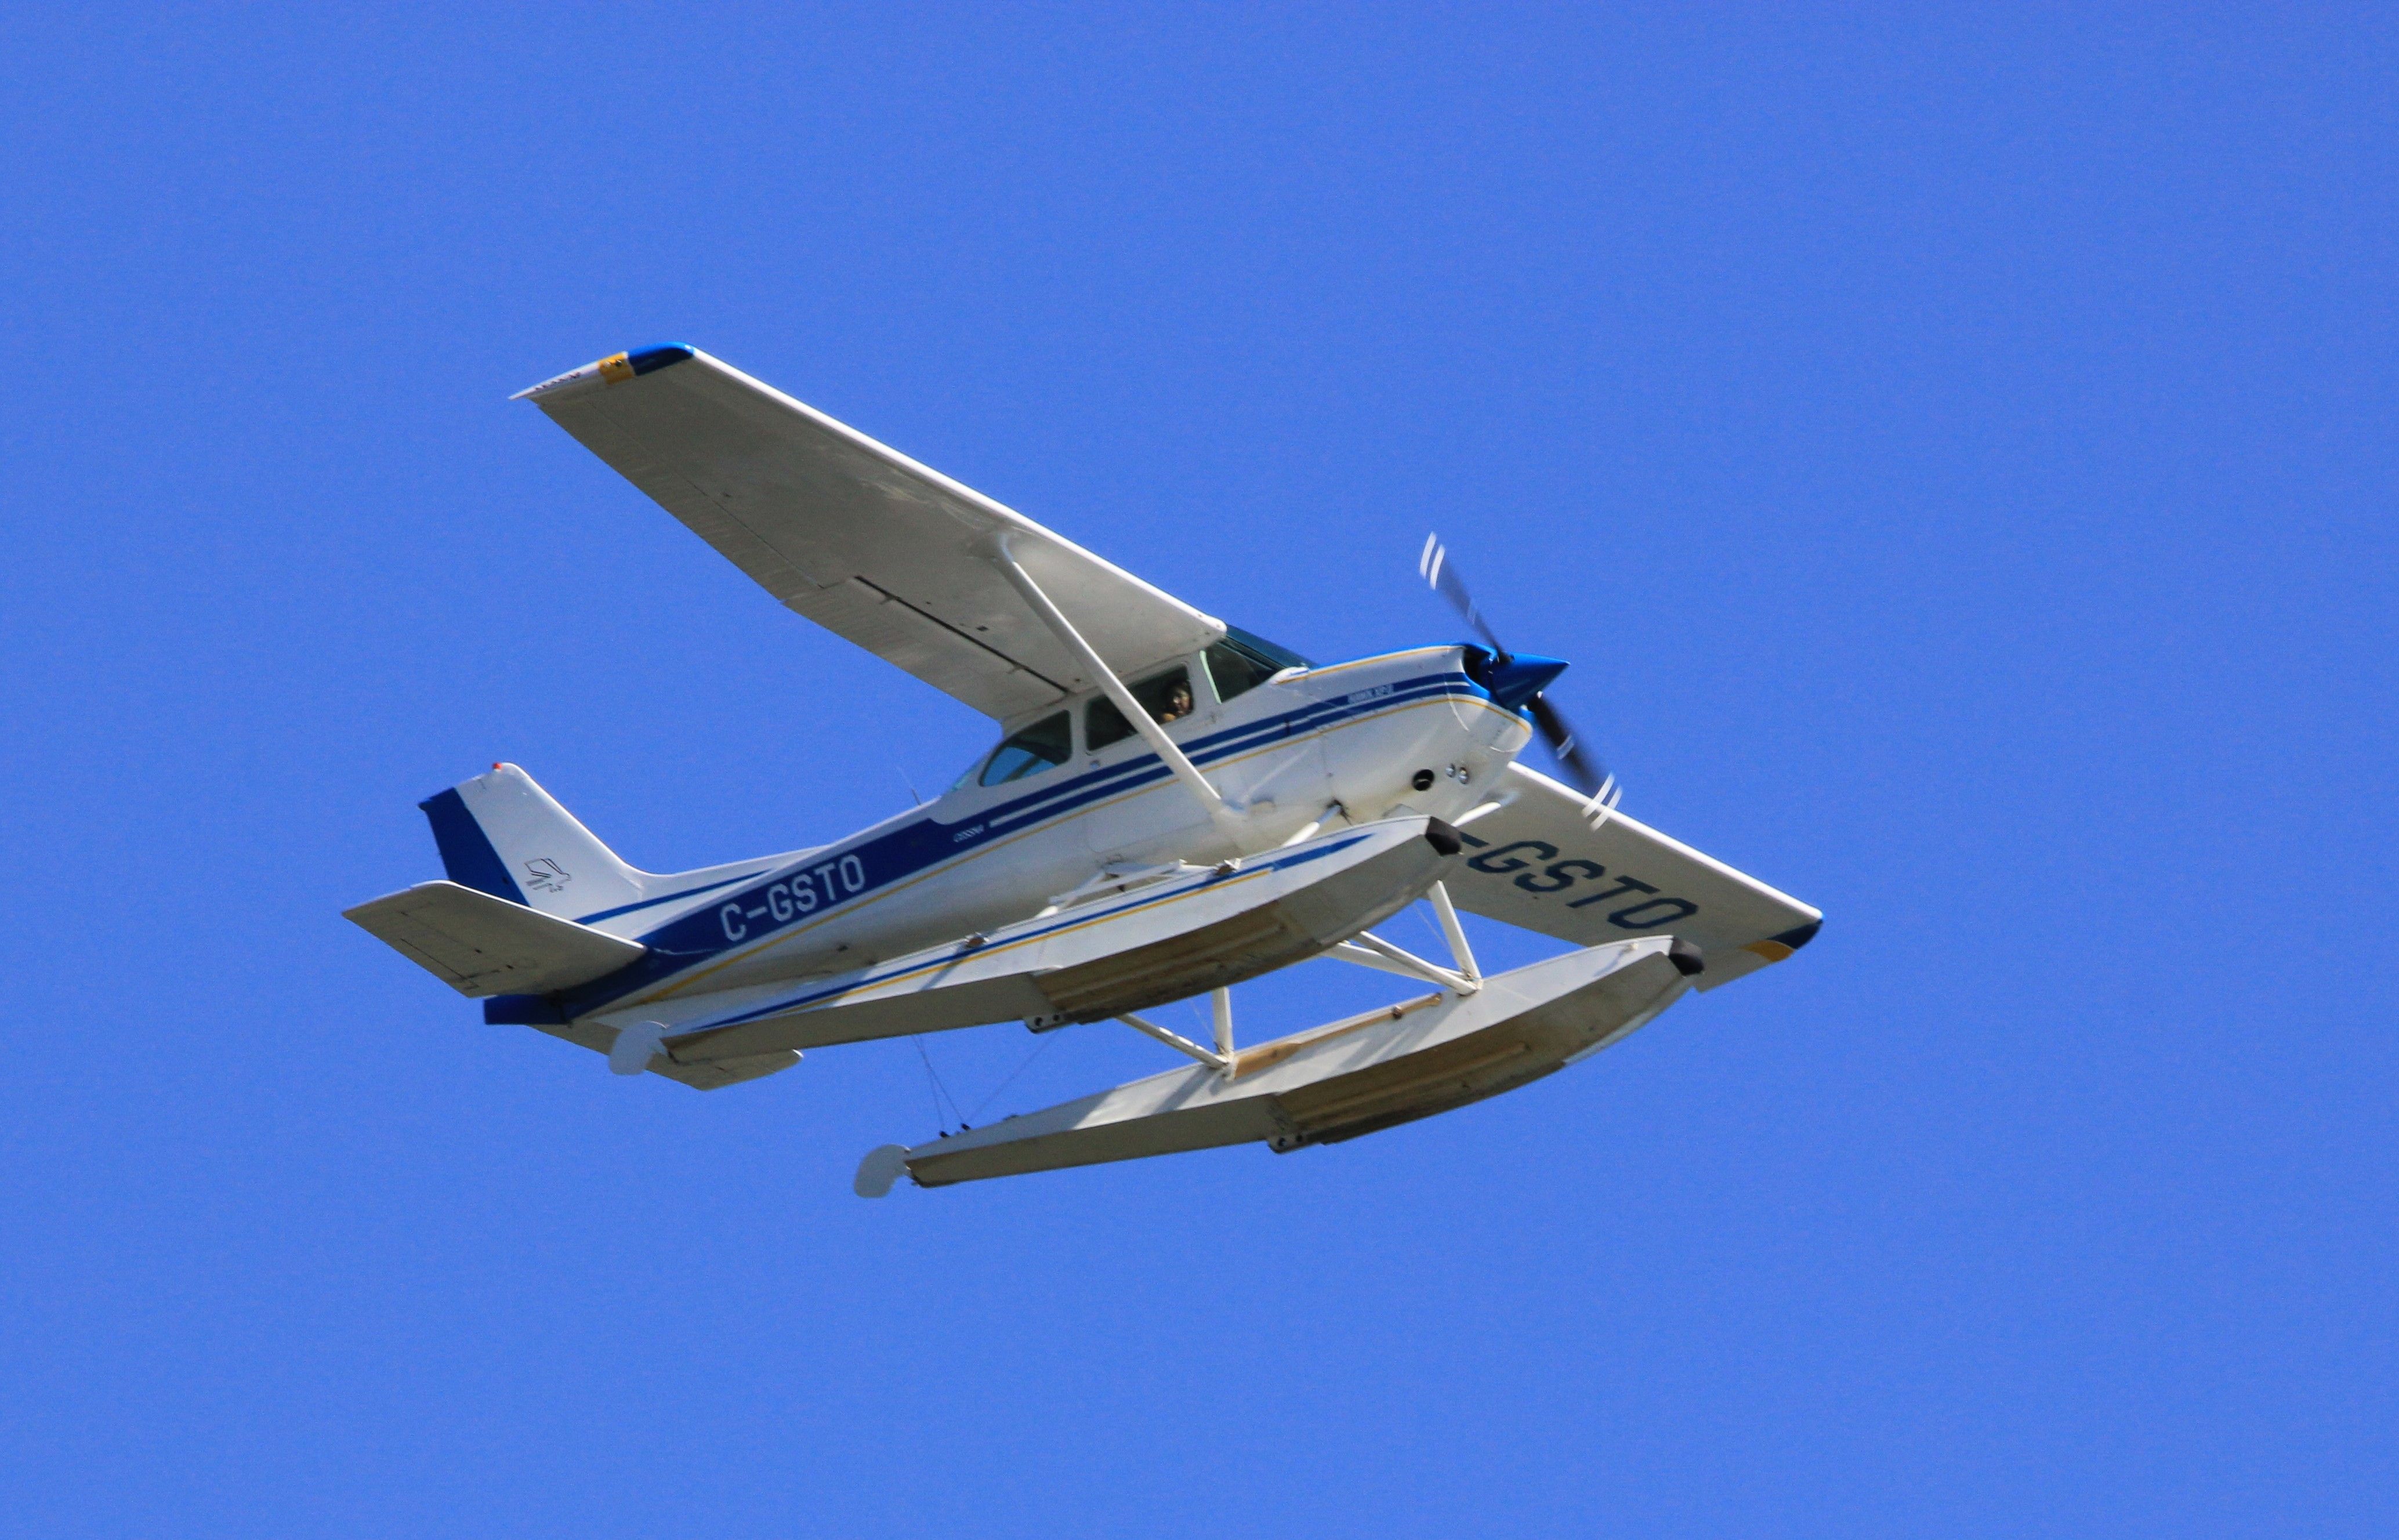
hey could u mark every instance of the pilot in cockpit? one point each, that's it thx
(1178, 704)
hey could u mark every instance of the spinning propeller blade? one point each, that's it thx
(1583, 770)
(1444, 579)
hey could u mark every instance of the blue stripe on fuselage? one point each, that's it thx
(759, 913)
(661, 899)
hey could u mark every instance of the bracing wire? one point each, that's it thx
(940, 1091)
(1038, 1049)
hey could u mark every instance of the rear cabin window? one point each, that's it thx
(1048, 742)
(1167, 698)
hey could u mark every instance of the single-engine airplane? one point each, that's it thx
(1174, 806)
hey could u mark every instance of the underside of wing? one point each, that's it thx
(1539, 863)
(860, 538)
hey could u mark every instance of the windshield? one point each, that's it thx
(1242, 662)
(1048, 742)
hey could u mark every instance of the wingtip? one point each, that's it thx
(1775, 949)
(615, 369)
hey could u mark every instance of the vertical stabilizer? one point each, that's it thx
(501, 833)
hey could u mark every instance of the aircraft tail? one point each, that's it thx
(502, 834)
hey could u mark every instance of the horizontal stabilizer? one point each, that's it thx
(480, 945)
(1332, 1083)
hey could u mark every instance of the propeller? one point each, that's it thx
(1521, 679)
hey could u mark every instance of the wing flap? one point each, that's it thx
(860, 538)
(1537, 863)
(908, 639)
(479, 945)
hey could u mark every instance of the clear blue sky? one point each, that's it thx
(1955, 453)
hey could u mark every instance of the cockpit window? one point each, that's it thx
(1243, 662)
(1048, 742)
(1167, 698)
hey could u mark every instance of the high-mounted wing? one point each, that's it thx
(1537, 863)
(860, 538)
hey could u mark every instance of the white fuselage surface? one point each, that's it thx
(1405, 732)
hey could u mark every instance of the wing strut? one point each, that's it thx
(1064, 630)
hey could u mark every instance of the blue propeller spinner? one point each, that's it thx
(1518, 682)
(1514, 679)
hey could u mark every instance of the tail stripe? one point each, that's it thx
(466, 853)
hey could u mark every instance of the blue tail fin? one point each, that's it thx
(467, 858)
(502, 834)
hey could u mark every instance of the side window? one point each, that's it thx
(1047, 742)
(1167, 698)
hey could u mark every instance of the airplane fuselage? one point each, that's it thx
(1382, 737)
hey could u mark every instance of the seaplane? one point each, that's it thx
(1173, 806)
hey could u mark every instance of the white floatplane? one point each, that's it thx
(1174, 806)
